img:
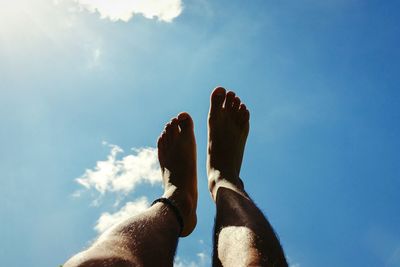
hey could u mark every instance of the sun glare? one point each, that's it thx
(20, 18)
(24, 23)
(12, 16)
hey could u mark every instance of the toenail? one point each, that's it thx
(183, 117)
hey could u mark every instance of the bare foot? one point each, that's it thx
(177, 156)
(228, 127)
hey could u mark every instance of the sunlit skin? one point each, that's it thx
(243, 236)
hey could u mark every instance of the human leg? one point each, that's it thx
(243, 236)
(136, 241)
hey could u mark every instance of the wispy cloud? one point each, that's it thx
(130, 209)
(394, 259)
(94, 57)
(291, 264)
(163, 10)
(202, 260)
(122, 175)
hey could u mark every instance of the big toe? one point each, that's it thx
(185, 122)
(217, 98)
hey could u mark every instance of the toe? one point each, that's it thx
(230, 96)
(161, 146)
(236, 103)
(160, 141)
(244, 114)
(175, 127)
(167, 128)
(185, 122)
(163, 137)
(242, 108)
(217, 98)
(169, 132)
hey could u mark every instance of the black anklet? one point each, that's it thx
(174, 208)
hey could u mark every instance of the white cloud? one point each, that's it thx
(202, 261)
(94, 58)
(394, 259)
(130, 209)
(180, 263)
(123, 175)
(203, 258)
(114, 10)
(292, 264)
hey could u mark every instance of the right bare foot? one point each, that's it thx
(228, 127)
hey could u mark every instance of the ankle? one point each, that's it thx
(182, 200)
(217, 180)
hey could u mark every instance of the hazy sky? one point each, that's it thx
(87, 86)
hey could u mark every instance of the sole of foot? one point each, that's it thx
(177, 157)
(228, 128)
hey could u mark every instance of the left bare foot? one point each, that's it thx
(177, 156)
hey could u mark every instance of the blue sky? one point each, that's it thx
(321, 80)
